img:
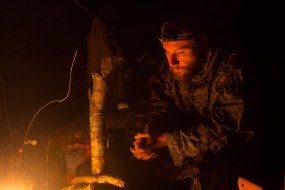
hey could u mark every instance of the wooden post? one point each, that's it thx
(97, 96)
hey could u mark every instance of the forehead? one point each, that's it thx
(175, 45)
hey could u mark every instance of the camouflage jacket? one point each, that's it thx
(201, 116)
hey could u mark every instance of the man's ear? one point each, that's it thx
(204, 43)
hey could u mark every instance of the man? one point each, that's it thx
(196, 112)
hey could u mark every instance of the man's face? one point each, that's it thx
(182, 58)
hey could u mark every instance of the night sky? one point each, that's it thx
(38, 40)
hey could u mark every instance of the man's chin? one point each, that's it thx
(183, 74)
(182, 78)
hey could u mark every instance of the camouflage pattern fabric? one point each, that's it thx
(201, 116)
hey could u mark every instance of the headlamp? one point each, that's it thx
(174, 30)
(179, 37)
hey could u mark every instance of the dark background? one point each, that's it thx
(38, 40)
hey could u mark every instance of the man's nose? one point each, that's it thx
(172, 60)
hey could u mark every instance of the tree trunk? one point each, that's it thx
(97, 97)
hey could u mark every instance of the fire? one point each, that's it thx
(12, 185)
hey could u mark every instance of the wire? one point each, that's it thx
(53, 101)
(47, 174)
(84, 8)
(7, 120)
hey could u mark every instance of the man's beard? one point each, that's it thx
(183, 74)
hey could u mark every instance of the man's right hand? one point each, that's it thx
(145, 144)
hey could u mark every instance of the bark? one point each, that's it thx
(102, 179)
(97, 96)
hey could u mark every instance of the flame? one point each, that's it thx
(13, 182)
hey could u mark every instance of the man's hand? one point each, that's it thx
(145, 144)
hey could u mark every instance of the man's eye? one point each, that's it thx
(179, 52)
